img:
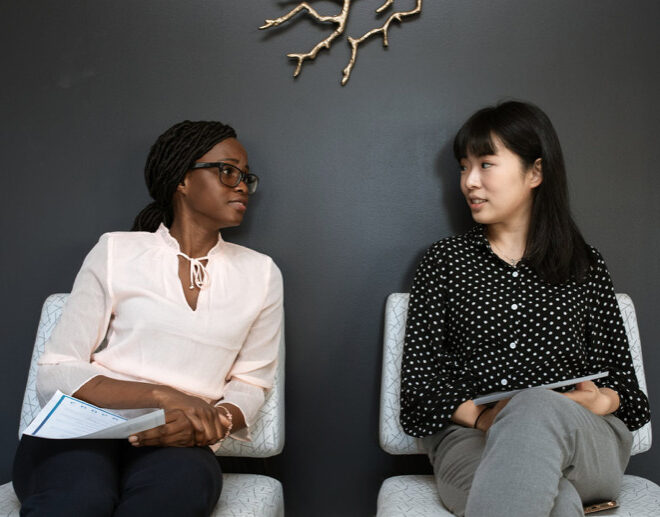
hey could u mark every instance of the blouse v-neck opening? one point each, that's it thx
(173, 244)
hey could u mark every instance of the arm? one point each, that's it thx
(608, 349)
(189, 420)
(66, 361)
(600, 401)
(433, 382)
(254, 369)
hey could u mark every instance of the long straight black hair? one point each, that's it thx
(555, 248)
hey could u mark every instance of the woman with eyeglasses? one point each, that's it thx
(167, 316)
(517, 302)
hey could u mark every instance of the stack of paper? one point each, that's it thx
(68, 417)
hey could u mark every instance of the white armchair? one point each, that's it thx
(243, 495)
(416, 495)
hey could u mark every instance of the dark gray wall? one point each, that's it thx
(356, 181)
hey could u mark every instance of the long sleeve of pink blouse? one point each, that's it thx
(127, 318)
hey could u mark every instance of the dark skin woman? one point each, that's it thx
(167, 316)
(202, 205)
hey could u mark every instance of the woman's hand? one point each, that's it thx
(600, 401)
(177, 431)
(202, 416)
(467, 414)
(489, 414)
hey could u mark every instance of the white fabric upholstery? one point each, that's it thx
(243, 495)
(9, 505)
(250, 495)
(417, 495)
(641, 437)
(412, 496)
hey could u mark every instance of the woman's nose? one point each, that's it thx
(472, 179)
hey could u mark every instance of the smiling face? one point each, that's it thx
(498, 187)
(202, 196)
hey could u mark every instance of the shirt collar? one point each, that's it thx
(477, 235)
(164, 233)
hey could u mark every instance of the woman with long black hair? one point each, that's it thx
(168, 316)
(519, 301)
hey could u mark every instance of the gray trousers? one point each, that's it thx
(544, 455)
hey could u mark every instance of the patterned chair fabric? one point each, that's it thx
(416, 495)
(243, 495)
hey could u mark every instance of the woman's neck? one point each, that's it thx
(194, 240)
(508, 240)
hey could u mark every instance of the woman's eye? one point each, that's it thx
(485, 165)
(462, 168)
(227, 171)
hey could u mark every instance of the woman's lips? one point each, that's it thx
(476, 203)
(241, 206)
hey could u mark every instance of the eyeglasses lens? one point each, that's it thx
(231, 177)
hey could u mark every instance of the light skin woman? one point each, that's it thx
(498, 189)
(518, 302)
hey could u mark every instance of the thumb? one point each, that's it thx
(586, 386)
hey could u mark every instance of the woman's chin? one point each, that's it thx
(481, 218)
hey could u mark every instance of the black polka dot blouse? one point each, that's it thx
(477, 324)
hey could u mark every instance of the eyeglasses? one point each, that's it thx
(230, 175)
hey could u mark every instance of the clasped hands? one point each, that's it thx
(189, 421)
(600, 401)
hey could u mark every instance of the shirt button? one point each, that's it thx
(515, 274)
(514, 306)
(504, 382)
(512, 345)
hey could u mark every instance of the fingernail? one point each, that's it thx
(133, 439)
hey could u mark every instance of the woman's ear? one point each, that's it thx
(537, 173)
(181, 187)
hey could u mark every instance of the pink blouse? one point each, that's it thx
(127, 318)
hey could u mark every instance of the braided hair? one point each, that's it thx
(168, 161)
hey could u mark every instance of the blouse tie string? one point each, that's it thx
(199, 276)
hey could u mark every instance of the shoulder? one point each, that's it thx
(248, 258)
(454, 247)
(597, 265)
(595, 256)
(128, 244)
(138, 239)
(599, 273)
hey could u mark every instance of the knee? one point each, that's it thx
(195, 470)
(191, 485)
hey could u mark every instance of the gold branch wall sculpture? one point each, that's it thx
(339, 20)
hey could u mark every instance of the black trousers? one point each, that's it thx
(98, 478)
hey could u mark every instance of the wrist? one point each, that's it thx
(481, 413)
(160, 395)
(226, 420)
(612, 397)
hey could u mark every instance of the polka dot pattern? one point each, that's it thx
(477, 324)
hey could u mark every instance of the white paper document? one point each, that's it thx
(499, 395)
(68, 417)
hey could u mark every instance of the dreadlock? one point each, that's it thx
(168, 161)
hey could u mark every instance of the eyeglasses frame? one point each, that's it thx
(244, 176)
